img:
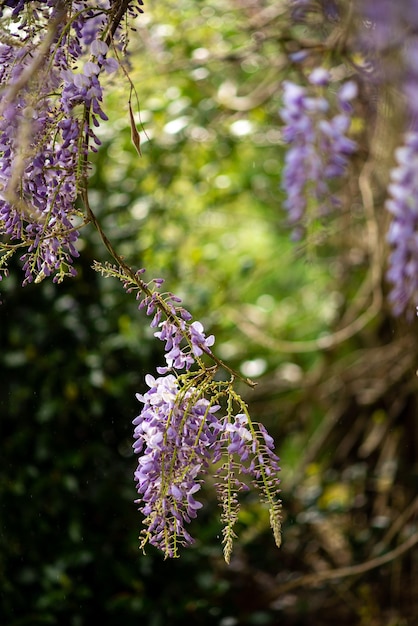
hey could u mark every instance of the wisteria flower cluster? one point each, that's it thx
(382, 47)
(319, 147)
(403, 230)
(181, 435)
(389, 38)
(189, 424)
(174, 431)
(50, 103)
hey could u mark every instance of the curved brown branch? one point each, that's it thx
(296, 347)
(311, 580)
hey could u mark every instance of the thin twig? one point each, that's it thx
(128, 271)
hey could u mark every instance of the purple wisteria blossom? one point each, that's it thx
(51, 97)
(183, 341)
(174, 430)
(182, 431)
(173, 333)
(179, 434)
(319, 148)
(403, 230)
(388, 38)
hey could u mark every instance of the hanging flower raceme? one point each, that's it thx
(388, 39)
(50, 104)
(403, 230)
(319, 147)
(179, 435)
(174, 430)
(189, 424)
(192, 424)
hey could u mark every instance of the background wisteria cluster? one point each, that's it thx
(380, 48)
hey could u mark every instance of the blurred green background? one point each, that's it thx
(202, 209)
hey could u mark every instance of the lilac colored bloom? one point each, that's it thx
(319, 76)
(178, 435)
(389, 26)
(200, 343)
(183, 341)
(43, 141)
(173, 335)
(99, 48)
(174, 433)
(403, 230)
(319, 148)
(238, 436)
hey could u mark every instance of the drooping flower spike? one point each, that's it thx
(50, 104)
(192, 424)
(403, 230)
(319, 147)
(180, 435)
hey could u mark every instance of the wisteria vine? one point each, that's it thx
(53, 67)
